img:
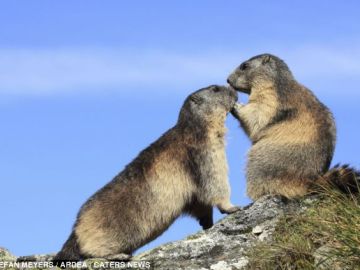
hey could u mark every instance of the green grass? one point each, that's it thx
(332, 224)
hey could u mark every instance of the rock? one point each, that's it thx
(264, 236)
(257, 230)
(224, 245)
(221, 247)
(5, 255)
(220, 266)
(36, 258)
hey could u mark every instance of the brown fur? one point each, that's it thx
(293, 133)
(185, 171)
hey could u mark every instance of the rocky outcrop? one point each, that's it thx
(222, 247)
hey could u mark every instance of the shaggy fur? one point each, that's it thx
(184, 171)
(292, 132)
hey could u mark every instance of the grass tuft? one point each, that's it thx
(325, 236)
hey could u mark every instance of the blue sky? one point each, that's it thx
(86, 85)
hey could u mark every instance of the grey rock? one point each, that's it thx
(257, 230)
(225, 244)
(5, 255)
(36, 258)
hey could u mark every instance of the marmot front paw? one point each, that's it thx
(230, 210)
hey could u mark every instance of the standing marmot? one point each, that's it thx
(185, 171)
(292, 132)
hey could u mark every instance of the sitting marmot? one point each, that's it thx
(293, 134)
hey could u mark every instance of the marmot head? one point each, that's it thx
(208, 104)
(256, 70)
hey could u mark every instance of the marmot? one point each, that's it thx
(293, 134)
(183, 172)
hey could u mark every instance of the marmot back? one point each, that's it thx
(292, 132)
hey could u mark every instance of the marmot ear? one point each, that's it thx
(196, 99)
(266, 59)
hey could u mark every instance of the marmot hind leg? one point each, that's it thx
(203, 213)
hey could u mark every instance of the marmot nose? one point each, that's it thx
(228, 80)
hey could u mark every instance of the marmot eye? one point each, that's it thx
(244, 66)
